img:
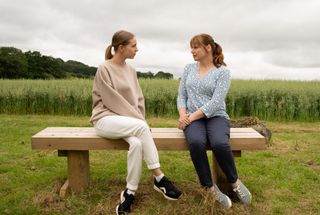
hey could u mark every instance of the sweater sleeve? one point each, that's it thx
(182, 92)
(219, 94)
(111, 99)
(141, 104)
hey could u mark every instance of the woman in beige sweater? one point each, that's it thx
(119, 112)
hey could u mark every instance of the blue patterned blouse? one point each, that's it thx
(206, 93)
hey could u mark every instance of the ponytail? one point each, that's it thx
(218, 55)
(108, 54)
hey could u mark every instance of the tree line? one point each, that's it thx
(158, 75)
(16, 64)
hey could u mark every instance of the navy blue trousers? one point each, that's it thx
(213, 133)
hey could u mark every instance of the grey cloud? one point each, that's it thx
(275, 29)
(295, 58)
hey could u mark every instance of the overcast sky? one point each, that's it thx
(261, 39)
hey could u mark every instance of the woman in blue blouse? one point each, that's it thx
(203, 118)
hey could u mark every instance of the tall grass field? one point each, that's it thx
(266, 99)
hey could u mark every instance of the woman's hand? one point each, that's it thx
(183, 121)
(196, 115)
(182, 126)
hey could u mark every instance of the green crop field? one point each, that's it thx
(267, 100)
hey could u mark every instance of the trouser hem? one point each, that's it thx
(154, 166)
(132, 187)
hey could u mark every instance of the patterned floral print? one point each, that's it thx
(206, 93)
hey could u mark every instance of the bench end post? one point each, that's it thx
(78, 170)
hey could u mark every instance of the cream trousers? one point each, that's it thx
(137, 134)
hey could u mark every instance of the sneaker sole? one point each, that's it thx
(121, 196)
(117, 210)
(165, 196)
(230, 204)
(225, 206)
(121, 200)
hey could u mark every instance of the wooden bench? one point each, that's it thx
(75, 143)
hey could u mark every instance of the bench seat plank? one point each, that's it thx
(176, 130)
(85, 138)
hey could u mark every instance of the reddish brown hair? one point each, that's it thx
(204, 40)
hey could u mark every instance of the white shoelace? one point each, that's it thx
(219, 196)
(238, 190)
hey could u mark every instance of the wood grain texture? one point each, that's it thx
(84, 138)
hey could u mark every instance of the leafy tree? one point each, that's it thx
(159, 75)
(145, 75)
(78, 69)
(13, 63)
(35, 70)
(51, 67)
(163, 75)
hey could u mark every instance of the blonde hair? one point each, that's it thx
(204, 40)
(118, 38)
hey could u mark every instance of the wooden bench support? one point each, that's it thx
(219, 177)
(78, 171)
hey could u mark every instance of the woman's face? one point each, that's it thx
(199, 52)
(130, 50)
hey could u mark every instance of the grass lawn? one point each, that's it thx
(284, 179)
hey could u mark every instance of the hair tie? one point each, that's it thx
(112, 50)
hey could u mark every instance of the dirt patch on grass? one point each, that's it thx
(49, 201)
(279, 146)
(312, 165)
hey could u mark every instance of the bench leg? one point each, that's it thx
(78, 172)
(220, 179)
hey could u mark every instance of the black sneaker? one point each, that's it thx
(125, 203)
(168, 190)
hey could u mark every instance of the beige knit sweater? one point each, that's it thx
(116, 91)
